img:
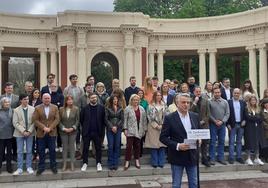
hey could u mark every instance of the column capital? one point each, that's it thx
(138, 49)
(261, 46)
(81, 46)
(42, 50)
(129, 48)
(251, 47)
(202, 51)
(151, 51)
(1, 48)
(212, 50)
(160, 51)
(52, 50)
(70, 47)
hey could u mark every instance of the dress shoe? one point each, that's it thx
(222, 162)
(10, 170)
(39, 172)
(231, 161)
(137, 164)
(212, 162)
(240, 160)
(206, 163)
(54, 170)
(126, 166)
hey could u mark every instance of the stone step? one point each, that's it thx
(144, 160)
(146, 170)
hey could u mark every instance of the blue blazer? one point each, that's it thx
(173, 132)
(231, 121)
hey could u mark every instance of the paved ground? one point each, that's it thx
(241, 179)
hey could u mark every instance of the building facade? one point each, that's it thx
(68, 42)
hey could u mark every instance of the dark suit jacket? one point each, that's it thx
(45, 89)
(85, 120)
(169, 99)
(173, 132)
(223, 94)
(231, 120)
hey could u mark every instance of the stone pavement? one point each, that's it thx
(245, 179)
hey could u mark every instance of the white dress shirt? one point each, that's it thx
(46, 111)
(237, 109)
(186, 122)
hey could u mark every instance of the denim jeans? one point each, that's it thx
(114, 141)
(177, 172)
(217, 133)
(158, 157)
(49, 141)
(28, 141)
(235, 138)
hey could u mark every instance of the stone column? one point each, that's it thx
(1, 49)
(138, 66)
(151, 63)
(262, 68)
(54, 63)
(71, 68)
(212, 65)
(202, 67)
(160, 65)
(252, 66)
(128, 66)
(81, 64)
(43, 66)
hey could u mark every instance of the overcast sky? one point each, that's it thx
(53, 6)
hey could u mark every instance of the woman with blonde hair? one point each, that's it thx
(148, 89)
(101, 93)
(253, 130)
(135, 125)
(156, 114)
(69, 121)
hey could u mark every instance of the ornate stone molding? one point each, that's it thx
(42, 49)
(128, 28)
(212, 50)
(160, 51)
(202, 51)
(251, 47)
(51, 50)
(261, 46)
(81, 46)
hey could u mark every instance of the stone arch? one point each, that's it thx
(105, 67)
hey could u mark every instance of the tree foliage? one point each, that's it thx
(174, 69)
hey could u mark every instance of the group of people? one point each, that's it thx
(74, 117)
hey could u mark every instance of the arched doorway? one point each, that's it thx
(105, 67)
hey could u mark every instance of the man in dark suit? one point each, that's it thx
(132, 89)
(200, 106)
(92, 121)
(50, 80)
(235, 124)
(174, 133)
(226, 90)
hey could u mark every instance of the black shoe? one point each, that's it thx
(240, 160)
(154, 166)
(39, 172)
(9, 170)
(54, 170)
(206, 163)
(160, 166)
(231, 161)
(116, 168)
(212, 162)
(222, 162)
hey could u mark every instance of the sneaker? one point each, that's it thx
(258, 161)
(249, 162)
(60, 149)
(18, 172)
(99, 167)
(30, 170)
(84, 167)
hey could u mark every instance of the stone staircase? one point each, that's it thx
(146, 170)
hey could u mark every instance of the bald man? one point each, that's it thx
(46, 118)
